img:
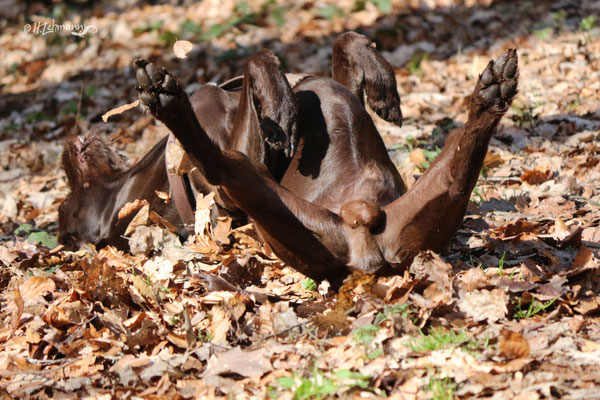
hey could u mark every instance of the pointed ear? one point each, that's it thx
(89, 159)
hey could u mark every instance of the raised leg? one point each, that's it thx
(429, 214)
(310, 238)
(357, 65)
(265, 122)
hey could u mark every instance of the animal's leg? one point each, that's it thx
(310, 238)
(429, 214)
(357, 65)
(265, 123)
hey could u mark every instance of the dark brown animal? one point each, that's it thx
(307, 164)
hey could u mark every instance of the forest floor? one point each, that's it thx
(512, 311)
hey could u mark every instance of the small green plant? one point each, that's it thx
(320, 385)
(275, 12)
(329, 11)
(389, 311)
(70, 108)
(478, 196)
(148, 280)
(438, 338)
(152, 26)
(166, 290)
(588, 23)
(441, 389)
(525, 116)
(52, 268)
(90, 91)
(204, 336)
(543, 34)
(534, 308)
(414, 66)
(37, 116)
(364, 336)
(559, 17)
(309, 284)
(168, 38)
(242, 13)
(501, 264)
(430, 155)
(574, 105)
(36, 237)
(317, 386)
(384, 6)
(190, 29)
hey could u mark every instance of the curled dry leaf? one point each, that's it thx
(181, 48)
(513, 345)
(157, 219)
(18, 310)
(119, 110)
(131, 207)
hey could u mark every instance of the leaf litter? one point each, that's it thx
(511, 311)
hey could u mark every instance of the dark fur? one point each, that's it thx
(338, 203)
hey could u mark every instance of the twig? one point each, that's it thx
(44, 371)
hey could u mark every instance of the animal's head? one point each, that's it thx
(91, 165)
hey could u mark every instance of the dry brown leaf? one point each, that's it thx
(492, 160)
(513, 345)
(221, 232)
(418, 156)
(484, 304)
(181, 48)
(131, 207)
(119, 110)
(535, 177)
(18, 311)
(202, 214)
(219, 325)
(36, 286)
(157, 219)
(135, 321)
(237, 361)
(141, 218)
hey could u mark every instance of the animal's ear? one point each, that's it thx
(89, 159)
(357, 65)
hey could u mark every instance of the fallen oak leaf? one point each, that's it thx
(181, 48)
(119, 110)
